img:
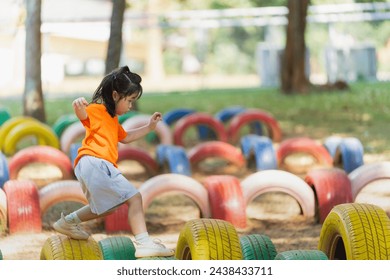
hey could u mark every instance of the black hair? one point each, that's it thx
(123, 81)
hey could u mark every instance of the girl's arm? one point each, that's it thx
(79, 106)
(139, 132)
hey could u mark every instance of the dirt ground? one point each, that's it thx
(276, 215)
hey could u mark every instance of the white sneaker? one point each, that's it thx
(152, 249)
(70, 229)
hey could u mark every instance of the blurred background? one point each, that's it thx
(188, 44)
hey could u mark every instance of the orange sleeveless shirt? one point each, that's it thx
(102, 134)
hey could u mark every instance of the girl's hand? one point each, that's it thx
(79, 106)
(154, 119)
(79, 103)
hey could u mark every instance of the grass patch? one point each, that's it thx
(362, 112)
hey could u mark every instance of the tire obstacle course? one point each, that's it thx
(343, 172)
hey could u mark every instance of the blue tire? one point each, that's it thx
(349, 154)
(175, 157)
(226, 114)
(73, 151)
(331, 143)
(4, 170)
(259, 148)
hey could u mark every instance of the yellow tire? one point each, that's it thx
(41, 131)
(356, 231)
(208, 239)
(60, 247)
(8, 125)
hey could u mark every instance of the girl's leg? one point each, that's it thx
(136, 215)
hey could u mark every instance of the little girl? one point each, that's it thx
(95, 165)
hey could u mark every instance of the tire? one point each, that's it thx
(126, 116)
(24, 213)
(42, 132)
(3, 212)
(366, 174)
(331, 144)
(198, 118)
(250, 116)
(349, 154)
(226, 114)
(260, 150)
(4, 170)
(4, 115)
(1, 255)
(157, 258)
(62, 123)
(118, 220)
(8, 125)
(174, 115)
(174, 158)
(356, 231)
(72, 134)
(41, 154)
(60, 247)
(257, 247)
(117, 248)
(179, 183)
(301, 255)
(60, 191)
(226, 199)
(208, 239)
(303, 145)
(332, 187)
(217, 149)
(141, 156)
(162, 129)
(279, 181)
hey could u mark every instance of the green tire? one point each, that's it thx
(301, 255)
(117, 248)
(257, 247)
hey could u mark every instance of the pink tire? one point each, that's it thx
(73, 133)
(41, 154)
(24, 213)
(179, 183)
(367, 173)
(3, 211)
(279, 181)
(66, 190)
(253, 115)
(332, 187)
(195, 119)
(162, 129)
(217, 149)
(304, 145)
(226, 199)
(118, 220)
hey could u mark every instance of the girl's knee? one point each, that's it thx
(135, 198)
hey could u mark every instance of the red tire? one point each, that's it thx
(253, 115)
(42, 154)
(367, 173)
(66, 190)
(179, 183)
(303, 145)
(332, 187)
(24, 213)
(141, 156)
(3, 211)
(226, 199)
(118, 220)
(196, 119)
(279, 181)
(218, 149)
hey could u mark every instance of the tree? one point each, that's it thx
(33, 103)
(293, 78)
(115, 41)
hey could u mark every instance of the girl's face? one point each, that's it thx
(124, 105)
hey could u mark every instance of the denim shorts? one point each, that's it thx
(103, 184)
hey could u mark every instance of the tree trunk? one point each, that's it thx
(33, 103)
(293, 62)
(115, 40)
